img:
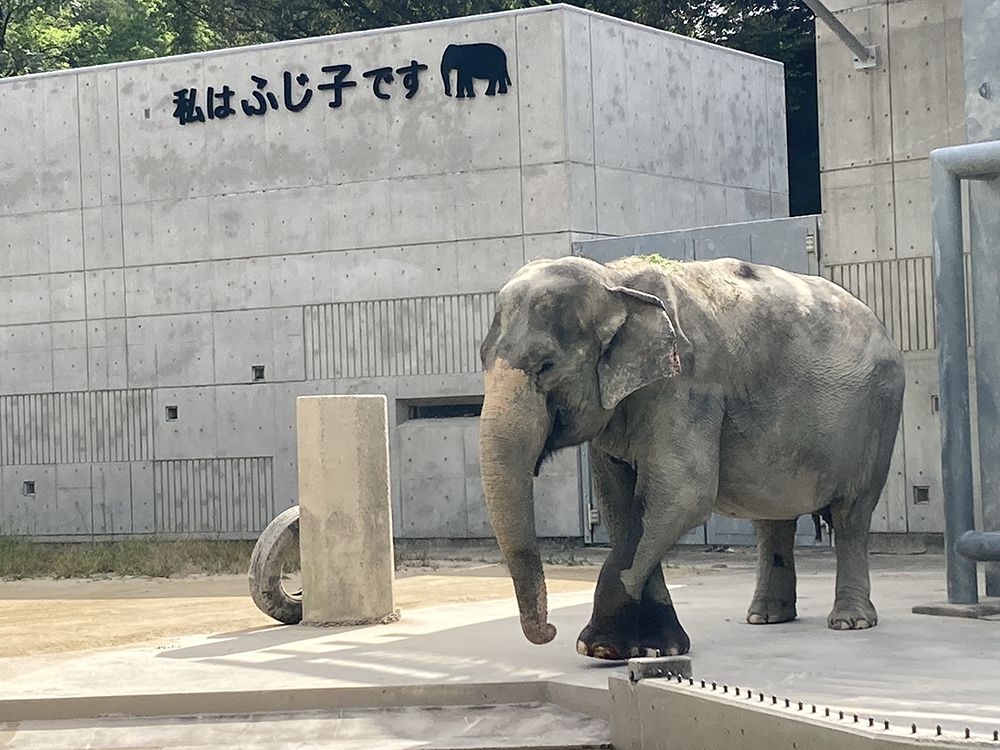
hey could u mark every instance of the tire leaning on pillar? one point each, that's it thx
(278, 542)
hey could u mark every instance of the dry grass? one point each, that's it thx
(139, 556)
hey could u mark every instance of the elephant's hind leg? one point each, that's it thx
(774, 598)
(852, 608)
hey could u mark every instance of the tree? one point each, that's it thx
(15, 56)
(53, 35)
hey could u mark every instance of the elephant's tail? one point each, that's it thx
(506, 77)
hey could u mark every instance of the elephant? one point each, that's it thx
(474, 61)
(705, 385)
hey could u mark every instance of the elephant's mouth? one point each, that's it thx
(557, 438)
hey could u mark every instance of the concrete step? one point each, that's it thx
(541, 726)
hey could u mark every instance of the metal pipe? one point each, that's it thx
(822, 12)
(980, 546)
(953, 376)
(948, 167)
(971, 161)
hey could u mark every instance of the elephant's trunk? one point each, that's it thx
(512, 432)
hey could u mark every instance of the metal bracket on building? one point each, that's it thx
(864, 57)
(870, 61)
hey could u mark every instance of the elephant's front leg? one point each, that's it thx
(622, 627)
(676, 486)
(774, 599)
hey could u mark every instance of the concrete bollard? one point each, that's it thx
(345, 526)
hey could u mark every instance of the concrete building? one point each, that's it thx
(877, 128)
(190, 243)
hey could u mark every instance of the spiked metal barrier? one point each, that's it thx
(629, 732)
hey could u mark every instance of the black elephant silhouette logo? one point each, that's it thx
(484, 61)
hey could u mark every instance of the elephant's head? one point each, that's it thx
(567, 344)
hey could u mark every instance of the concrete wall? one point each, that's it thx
(877, 128)
(151, 268)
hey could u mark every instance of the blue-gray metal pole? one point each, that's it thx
(953, 373)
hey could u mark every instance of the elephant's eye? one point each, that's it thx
(545, 367)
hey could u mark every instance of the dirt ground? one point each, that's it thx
(56, 616)
(44, 616)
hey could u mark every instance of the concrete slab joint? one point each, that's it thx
(345, 526)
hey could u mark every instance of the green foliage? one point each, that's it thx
(133, 556)
(56, 35)
(658, 259)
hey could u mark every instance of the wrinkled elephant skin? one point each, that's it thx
(705, 386)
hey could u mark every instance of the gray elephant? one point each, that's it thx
(716, 385)
(486, 61)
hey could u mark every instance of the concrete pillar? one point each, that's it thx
(345, 527)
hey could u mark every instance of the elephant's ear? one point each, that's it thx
(641, 345)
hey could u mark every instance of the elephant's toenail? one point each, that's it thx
(581, 648)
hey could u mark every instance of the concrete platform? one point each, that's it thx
(507, 726)
(911, 669)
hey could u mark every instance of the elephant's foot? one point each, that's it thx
(848, 615)
(765, 610)
(646, 628)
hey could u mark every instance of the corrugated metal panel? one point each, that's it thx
(387, 338)
(900, 292)
(76, 427)
(214, 495)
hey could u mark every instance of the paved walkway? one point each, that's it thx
(910, 669)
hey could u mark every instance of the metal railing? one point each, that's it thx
(963, 544)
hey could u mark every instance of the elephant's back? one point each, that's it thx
(745, 316)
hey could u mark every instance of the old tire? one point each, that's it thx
(278, 543)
